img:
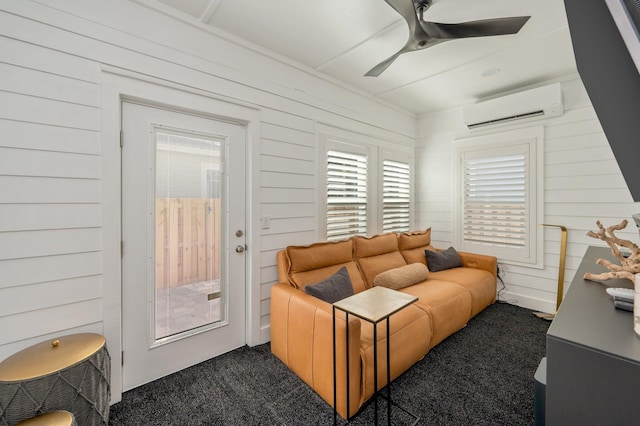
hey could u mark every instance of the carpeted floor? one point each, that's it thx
(482, 375)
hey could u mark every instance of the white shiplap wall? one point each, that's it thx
(582, 183)
(59, 166)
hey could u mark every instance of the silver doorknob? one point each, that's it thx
(239, 249)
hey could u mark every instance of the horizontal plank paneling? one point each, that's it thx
(49, 320)
(268, 257)
(286, 134)
(288, 210)
(285, 180)
(22, 217)
(27, 162)
(583, 154)
(36, 57)
(46, 111)
(14, 300)
(287, 150)
(272, 242)
(41, 84)
(27, 341)
(27, 189)
(587, 195)
(571, 142)
(585, 181)
(287, 195)
(298, 224)
(594, 167)
(270, 163)
(43, 137)
(265, 290)
(23, 244)
(268, 274)
(284, 119)
(49, 268)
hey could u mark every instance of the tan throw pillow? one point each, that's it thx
(404, 276)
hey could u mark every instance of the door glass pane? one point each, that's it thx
(188, 239)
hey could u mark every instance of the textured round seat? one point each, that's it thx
(70, 373)
(53, 418)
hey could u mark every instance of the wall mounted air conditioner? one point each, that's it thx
(539, 103)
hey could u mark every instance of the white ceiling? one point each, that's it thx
(345, 38)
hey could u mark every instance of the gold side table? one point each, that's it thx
(70, 373)
(374, 305)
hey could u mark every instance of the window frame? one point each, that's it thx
(531, 142)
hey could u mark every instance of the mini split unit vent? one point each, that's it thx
(539, 103)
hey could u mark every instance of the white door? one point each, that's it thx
(183, 225)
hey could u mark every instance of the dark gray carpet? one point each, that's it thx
(482, 375)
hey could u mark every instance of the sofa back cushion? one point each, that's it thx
(377, 254)
(316, 262)
(413, 244)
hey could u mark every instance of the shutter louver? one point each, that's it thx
(396, 196)
(346, 195)
(495, 200)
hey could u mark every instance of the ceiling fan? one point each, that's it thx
(423, 34)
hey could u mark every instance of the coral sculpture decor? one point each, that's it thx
(629, 266)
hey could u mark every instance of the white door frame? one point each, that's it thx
(119, 85)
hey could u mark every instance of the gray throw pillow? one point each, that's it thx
(439, 261)
(336, 287)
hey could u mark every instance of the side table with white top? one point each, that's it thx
(374, 305)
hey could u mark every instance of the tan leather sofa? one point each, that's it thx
(301, 325)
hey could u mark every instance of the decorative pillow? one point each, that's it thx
(401, 277)
(439, 261)
(336, 287)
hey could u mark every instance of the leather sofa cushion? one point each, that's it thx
(413, 244)
(377, 254)
(447, 303)
(415, 239)
(316, 262)
(401, 277)
(318, 255)
(480, 283)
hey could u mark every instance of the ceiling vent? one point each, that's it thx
(534, 104)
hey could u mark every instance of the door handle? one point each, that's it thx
(240, 249)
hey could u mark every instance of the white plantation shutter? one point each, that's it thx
(396, 196)
(495, 200)
(500, 182)
(346, 194)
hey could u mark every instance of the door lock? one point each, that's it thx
(240, 249)
(239, 233)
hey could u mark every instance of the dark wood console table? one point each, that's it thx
(593, 354)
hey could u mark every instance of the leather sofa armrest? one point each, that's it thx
(480, 261)
(302, 338)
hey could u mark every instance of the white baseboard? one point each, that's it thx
(539, 305)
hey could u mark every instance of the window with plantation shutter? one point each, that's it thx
(500, 195)
(495, 199)
(396, 196)
(346, 194)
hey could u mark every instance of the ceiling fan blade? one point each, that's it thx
(482, 28)
(411, 46)
(379, 69)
